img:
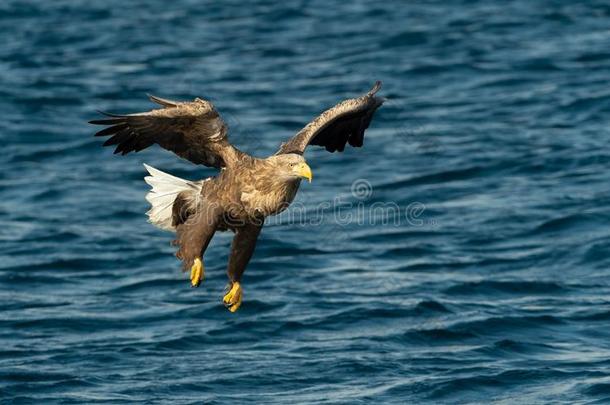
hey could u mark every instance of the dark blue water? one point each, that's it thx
(495, 134)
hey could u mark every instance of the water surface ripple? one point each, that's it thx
(496, 127)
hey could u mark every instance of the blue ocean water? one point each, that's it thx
(491, 288)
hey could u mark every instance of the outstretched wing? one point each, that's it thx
(192, 130)
(334, 128)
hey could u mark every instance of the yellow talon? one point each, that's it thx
(197, 272)
(232, 299)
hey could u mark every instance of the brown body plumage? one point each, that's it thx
(246, 190)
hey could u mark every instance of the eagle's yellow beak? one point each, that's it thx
(303, 170)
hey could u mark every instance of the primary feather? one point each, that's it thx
(192, 130)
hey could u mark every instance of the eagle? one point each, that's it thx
(246, 189)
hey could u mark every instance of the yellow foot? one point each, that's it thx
(197, 273)
(232, 299)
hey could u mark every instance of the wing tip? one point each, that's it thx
(115, 119)
(107, 114)
(375, 88)
(162, 101)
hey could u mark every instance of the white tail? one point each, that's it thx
(165, 189)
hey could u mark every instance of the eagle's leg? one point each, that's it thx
(241, 252)
(193, 236)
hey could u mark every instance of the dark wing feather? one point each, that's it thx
(163, 101)
(192, 130)
(334, 128)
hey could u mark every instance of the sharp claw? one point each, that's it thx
(232, 299)
(197, 272)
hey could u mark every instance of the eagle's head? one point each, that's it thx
(291, 166)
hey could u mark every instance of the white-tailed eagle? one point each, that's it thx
(246, 189)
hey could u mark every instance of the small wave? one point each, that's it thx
(438, 336)
(597, 252)
(61, 236)
(428, 307)
(503, 324)
(79, 264)
(586, 103)
(406, 38)
(508, 287)
(597, 389)
(77, 324)
(506, 82)
(502, 380)
(49, 153)
(445, 176)
(570, 222)
(189, 342)
(509, 347)
(27, 280)
(592, 57)
(145, 285)
(592, 315)
(537, 65)
(21, 305)
(33, 376)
